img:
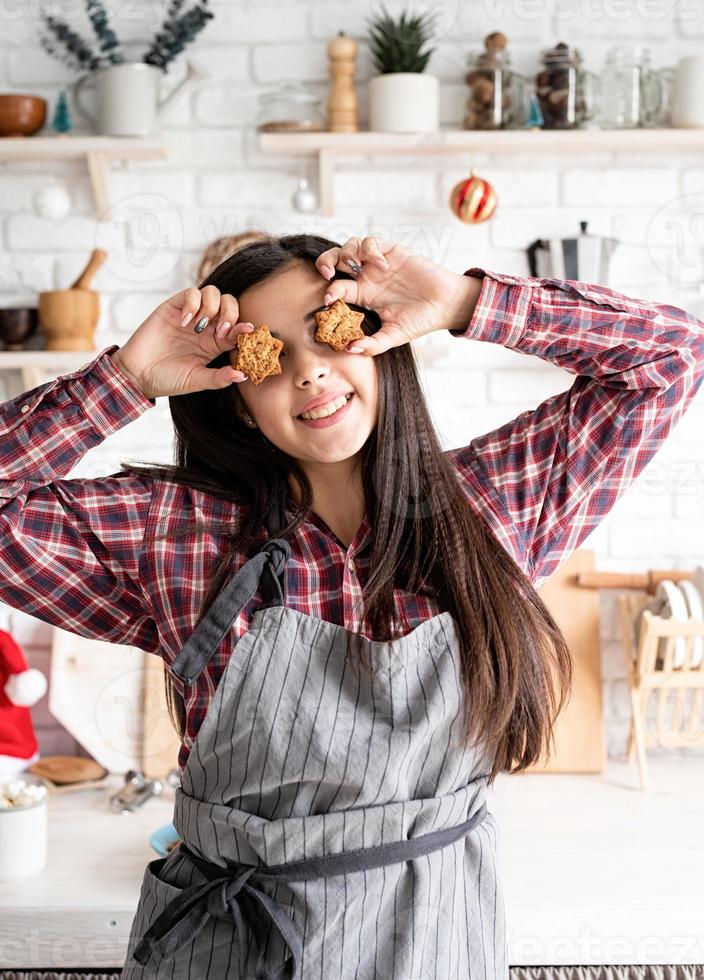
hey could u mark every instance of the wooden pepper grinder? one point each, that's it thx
(342, 99)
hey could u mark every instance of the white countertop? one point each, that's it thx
(594, 870)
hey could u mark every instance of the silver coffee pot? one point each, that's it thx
(585, 258)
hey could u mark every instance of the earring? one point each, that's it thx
(250, 421)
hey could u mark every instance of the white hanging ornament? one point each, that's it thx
(52, 202)
(304, 198)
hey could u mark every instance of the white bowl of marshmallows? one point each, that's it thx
(23, 826)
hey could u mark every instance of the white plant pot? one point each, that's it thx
(404, 102)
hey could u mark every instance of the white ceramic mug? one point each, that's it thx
(23, 837)
(687, 103)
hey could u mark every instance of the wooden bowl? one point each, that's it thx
(16, 325)
(21, 115)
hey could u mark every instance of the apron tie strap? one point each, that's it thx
(210, 631)
(229, 898)
(229, 894)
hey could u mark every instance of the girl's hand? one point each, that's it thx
(165, 356)
(413, 295)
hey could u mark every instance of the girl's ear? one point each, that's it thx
(242, 412)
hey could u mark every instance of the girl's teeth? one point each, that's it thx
(330, 409)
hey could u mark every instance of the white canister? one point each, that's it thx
(23, 836)
(687, 104)
(404, 102)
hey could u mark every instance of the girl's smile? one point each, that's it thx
(327, 414)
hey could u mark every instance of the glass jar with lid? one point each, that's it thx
(497, 94)
(568, 94)
(633, 93)
(290, 107)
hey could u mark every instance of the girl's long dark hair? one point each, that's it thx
(425, 537)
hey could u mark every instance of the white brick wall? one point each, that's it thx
(215, 181)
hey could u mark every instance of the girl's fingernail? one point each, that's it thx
(202, 324)
(224, 327)
(238, 376)
(354, 266)
(356, 350)
(382, 262)
(327, 299)
(186, 319)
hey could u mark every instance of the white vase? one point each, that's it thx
(404, 102)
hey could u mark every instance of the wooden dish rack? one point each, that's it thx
(678, 719)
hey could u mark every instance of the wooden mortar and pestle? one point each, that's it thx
(68, 317)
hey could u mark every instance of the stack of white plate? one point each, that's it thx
(681, 601)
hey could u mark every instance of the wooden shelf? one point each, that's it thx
(98, 151)
(328, 147)
(32, 365)
(15, 360)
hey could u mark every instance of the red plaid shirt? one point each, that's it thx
(79, 553)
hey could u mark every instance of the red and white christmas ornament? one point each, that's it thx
(20, 688)
(473, 200)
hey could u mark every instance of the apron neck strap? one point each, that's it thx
(265, 571)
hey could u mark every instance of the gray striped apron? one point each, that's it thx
(333, 824)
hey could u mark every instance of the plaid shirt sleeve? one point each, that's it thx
(70, 549)
(557, 470)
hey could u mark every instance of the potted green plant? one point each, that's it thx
(402, 98)
(128, 92)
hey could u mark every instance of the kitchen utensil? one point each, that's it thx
(21, 115)
(290, 107)
(497, 94)
(68, 769)
(585, 258)
(68, 318)
(128, 97)
(17, 324)
(675, 607)
(567, 93)
(342, 106)
(695, 608)
(97, 257)
(633, 93)
(23, 836)
(135, 793)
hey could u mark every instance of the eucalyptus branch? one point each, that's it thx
(176, 33)
(179, 28)
(74, 43)
(109, 44)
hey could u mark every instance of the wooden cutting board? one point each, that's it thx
(580, 738)
(111, 699)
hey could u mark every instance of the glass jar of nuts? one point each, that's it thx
(567, 93)
(497, 95)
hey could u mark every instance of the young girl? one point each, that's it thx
(348, 615)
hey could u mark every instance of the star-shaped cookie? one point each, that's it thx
(257, 354)
(338, 325)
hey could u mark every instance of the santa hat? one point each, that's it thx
(20, 687)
